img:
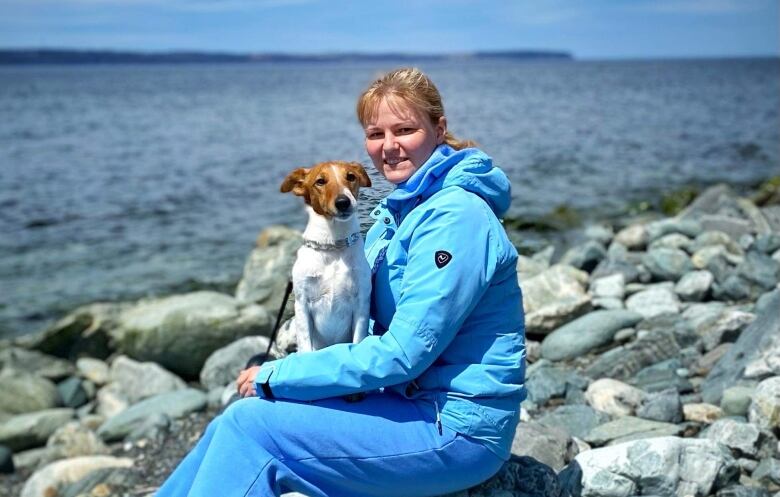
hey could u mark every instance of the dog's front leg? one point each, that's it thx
(303, 327)
(360, 320)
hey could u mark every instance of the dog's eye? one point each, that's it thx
(351, 177)
(320, 181)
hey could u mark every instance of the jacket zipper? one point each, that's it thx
(438, 416)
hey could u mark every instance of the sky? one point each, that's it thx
(589, 29)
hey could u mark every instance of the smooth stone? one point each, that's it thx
(74, 439)
(612, 286)
(765, 408)
(743, 491)
(629, 426)
(602, 233)
(761, 335)
(713, 238)
(654, 301)
(554, 297)
(705, 257)
(607, 304)
(667, 264)
(546, 444)
(719, 208)
(105, 481)
(28, 430)
(664, 406)
(624, 335)
(268, 267)
(224, 365)
(586, 256)
(528, 267)
(702, 413)
(768, 243)
(767, 472)
(736, 400)
(614, 397)
(111, 400)
(576, 420)
(520, 476)
(736, 435)
(545, 382)
(616, 264)
(49, 480)
(728, 327)
(140, 380)
(660, 228)
(173, 404)
(586, 333)
(760, 270)
(94, 370)
(35, 363)
(633, 237)
(660, 376)
(72, 393)
(672, 240)
(22, 392)
(205, 321)
(694, 286)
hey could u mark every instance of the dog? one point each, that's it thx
(331, 277)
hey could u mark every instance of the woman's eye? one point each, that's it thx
(374, 136)
(351, 177)
(405, 131)
(320, 181)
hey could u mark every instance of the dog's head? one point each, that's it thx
(330, 188)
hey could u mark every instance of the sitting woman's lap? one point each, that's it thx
(381, 446)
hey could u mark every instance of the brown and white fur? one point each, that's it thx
(331, 281)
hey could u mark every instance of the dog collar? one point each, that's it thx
(335, 245)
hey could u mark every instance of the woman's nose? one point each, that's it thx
(390, 143)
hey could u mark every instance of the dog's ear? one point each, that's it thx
(294, 182)
(361, 174)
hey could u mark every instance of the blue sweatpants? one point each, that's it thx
(381, 446)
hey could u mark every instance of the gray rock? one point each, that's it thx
(140, 380)
(672, 240)
(736, 400)
(614, 397)
(768, 472)
(544, 382)
(739, 436)
(625, 361)
(546, 444)
(73, 440)
(575, 420)
(768, 243)
(521, 476)
(765, 409)
(586, 333)
(586, 256)
(667, 264)
(22, 392)
(94, 370)
(173, 404)
(616, 264)
(222, 367)
(6, 460)
(24, 431)
(612, 286)
(660, 467)
(760, 270)
(268, 267)
(757, 337)
(742, 491)
(59, 474)
(600, 233)
(660, 228)
(729, 325)
(634, 237)
(35, 363)
(72, 393)
(660, 376)
(719, 208)
(120, 481)
(694, 286)
(553, 298)
(629, 428)
(150, 428)
(205, 321)
(664, 406)
(654, 301)
(716, 238)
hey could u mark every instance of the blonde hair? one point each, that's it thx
(413, 87)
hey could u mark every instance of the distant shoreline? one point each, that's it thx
(56, 56)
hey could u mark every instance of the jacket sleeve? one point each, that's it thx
(451, 259)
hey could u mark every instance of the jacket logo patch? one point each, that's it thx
(442, 258)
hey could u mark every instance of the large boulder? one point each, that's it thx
(268, 267)
(140, 380)
(28, 430)
(753, 347)
(34, 362)
(554, 297)
(222, 367)
(720, 209)
(668, 466)
(48, 481)
(22, 392)
(181, 331)
(586, 333)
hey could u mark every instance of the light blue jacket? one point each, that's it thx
(447, 316)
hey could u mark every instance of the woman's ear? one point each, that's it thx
(441, 130)
(294, 182)
(357, 168)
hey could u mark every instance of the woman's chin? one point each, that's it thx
(397, 176)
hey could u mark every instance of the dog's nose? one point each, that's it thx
(342, 203)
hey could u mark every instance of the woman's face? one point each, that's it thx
(399, 140)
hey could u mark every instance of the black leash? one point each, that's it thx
(259, 359)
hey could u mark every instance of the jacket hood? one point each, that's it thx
(469, 168)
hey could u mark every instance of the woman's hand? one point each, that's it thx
(246, 382)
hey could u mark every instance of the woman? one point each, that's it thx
(444, 362)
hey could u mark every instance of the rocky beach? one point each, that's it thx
(653, 366)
